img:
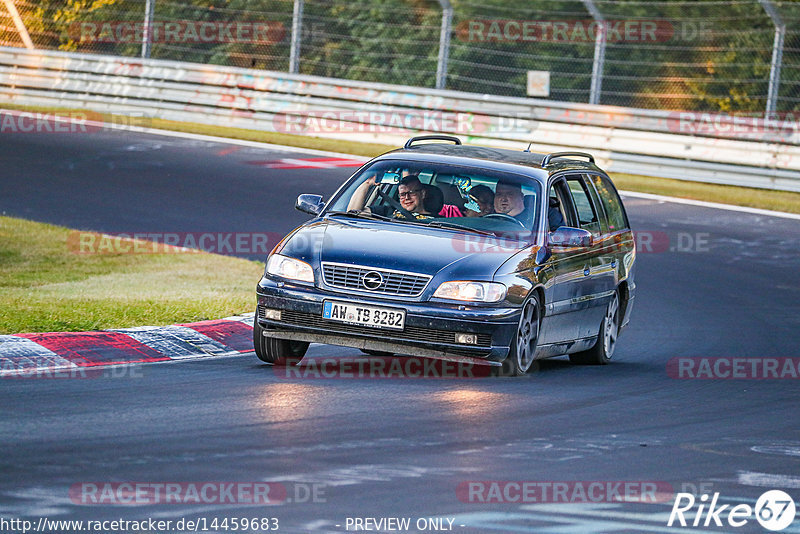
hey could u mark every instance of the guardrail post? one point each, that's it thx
(777, 56)
(297, 31)
(147, 31)
(599, 52)
(21, 29)
(444, 44)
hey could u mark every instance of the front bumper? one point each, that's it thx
(429, 331)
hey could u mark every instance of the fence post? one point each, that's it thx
(147, 31)
(599, 52)
(777, 56)
(444, 44)
(297, 31)
(18, 22)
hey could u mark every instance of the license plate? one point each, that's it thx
(372, 316)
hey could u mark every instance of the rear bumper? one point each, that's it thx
(430, 328)
(629, 305)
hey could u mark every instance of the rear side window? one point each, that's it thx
(587, 216)
(612, 203)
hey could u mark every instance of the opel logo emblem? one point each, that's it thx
(372, 280)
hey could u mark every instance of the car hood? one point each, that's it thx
(403, 247)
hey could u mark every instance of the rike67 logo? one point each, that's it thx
(774, 510)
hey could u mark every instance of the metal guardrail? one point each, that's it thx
(623, 139)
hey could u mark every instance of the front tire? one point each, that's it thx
(603, 349)
(523, 348)
(279, 352)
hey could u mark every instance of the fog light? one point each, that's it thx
(272, 315)
(467, 339)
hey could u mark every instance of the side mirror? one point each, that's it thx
(567, 237)
(311, 204)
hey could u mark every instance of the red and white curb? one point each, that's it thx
(28, 354)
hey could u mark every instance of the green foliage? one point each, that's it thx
(709, 55)
(52, 22)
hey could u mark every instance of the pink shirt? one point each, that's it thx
(450, 210)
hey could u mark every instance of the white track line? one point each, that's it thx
(716, 205)
(241, 142)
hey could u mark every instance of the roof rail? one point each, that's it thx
(413, 140)
(549, 157)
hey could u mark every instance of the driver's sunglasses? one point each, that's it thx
(408, 194)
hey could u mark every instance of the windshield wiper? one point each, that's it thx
(362, 215)
(434, 224)
(445, 224)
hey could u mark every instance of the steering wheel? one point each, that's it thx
(396, 205)
(504, 217)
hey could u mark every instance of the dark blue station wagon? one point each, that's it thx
(463, 253)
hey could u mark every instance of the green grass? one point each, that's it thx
(45, 286)
(740, 196)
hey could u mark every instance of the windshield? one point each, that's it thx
(442, 195)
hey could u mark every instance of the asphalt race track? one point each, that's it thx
(714, 283)
(119, 182)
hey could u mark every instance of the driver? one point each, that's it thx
(412, 197)
(509, 200)
(409, 190)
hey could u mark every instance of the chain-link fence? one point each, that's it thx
(732, 56)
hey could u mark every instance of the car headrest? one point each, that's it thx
(528, 200)
(434, 198)
(451, 195)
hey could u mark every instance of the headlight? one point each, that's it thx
(290, 268)
(472, 291)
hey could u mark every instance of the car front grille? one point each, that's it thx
(410, 333)
(396, 283)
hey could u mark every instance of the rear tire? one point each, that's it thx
(278, 352)
(603, 349)
(523, 346)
